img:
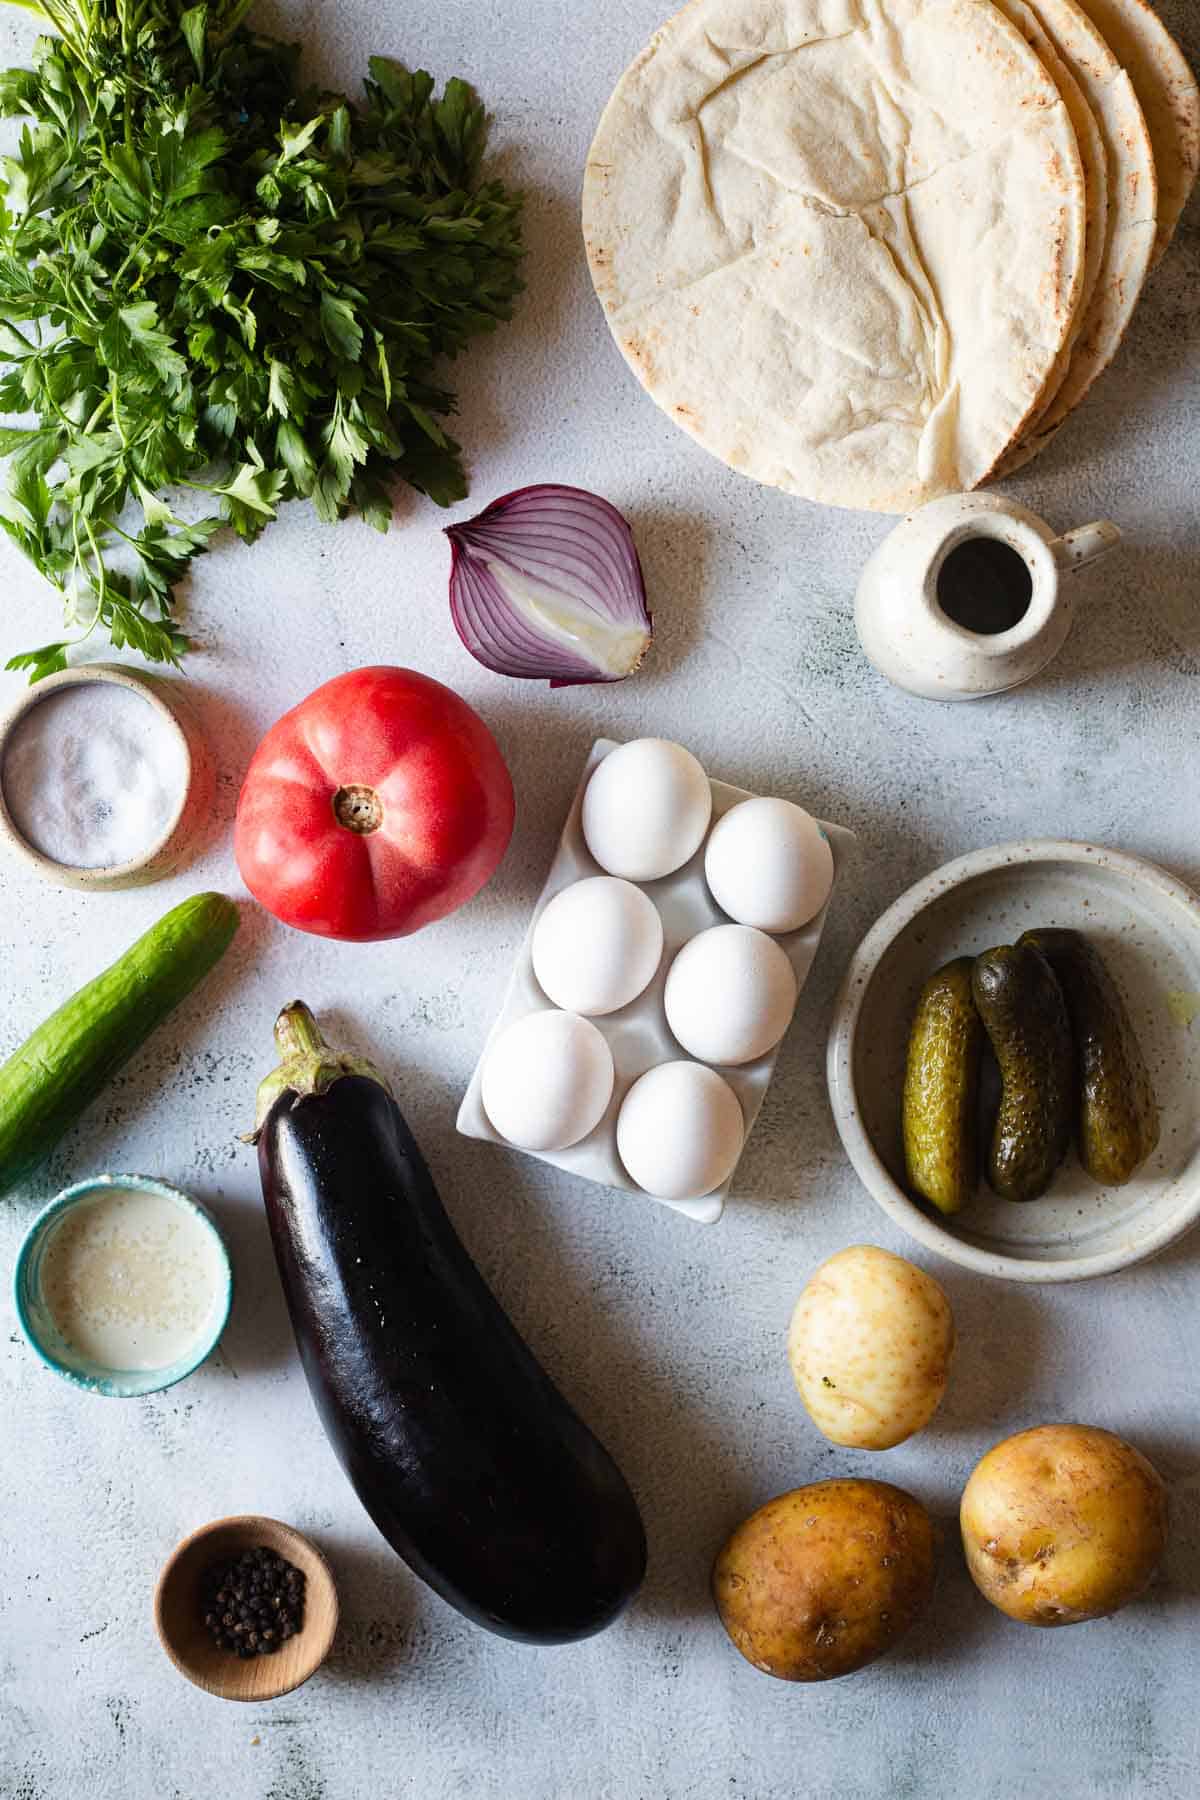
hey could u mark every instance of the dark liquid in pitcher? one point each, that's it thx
(984, 586)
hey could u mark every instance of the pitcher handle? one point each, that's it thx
(1085, 544)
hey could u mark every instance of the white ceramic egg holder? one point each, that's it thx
(638, 1034)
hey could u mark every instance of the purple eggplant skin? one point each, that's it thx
(465, 1454)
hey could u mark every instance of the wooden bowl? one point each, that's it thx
(181, 1630)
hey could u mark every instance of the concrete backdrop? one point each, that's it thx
(668, 1337)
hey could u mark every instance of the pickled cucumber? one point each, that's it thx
(1025, 1016)
(941, 1084)
(1116, 1122)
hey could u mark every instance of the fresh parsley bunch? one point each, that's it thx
(211, 280)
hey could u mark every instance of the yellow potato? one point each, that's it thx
(1063, 1523)
(870, 1346)
(821, 1581)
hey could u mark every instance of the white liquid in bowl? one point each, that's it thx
(132, 1279)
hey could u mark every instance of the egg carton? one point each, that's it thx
(638, 1034)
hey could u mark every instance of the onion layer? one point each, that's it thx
(545, 584)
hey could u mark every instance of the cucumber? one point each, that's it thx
(56, 1073)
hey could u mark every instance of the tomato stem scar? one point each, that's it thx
(358, 809)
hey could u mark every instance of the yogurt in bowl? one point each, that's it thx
(123, 1285)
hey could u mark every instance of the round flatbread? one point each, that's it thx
(1169, 96)
(1091, 154)
(1132, 217)
(840, 242)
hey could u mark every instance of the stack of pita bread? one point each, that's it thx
(875, 251)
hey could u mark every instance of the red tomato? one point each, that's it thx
(376, 806)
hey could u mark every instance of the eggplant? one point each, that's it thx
(460, 1447)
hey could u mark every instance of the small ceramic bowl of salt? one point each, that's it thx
(104, 778)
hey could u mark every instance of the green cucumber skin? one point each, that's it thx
(56, 1073)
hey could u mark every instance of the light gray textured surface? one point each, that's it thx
(670, 1339)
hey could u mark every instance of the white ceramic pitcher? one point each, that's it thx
(972, 595)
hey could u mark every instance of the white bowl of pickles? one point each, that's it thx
(949, 1177)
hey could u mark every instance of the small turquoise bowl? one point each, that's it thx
(38, 1322)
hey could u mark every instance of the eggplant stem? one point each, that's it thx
(309, 1065)
(297, 1032)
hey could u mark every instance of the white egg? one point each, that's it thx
(769, 864)
(597, 945)
(646, 809)
(680, 1131)
(730, 994)
(547, 1080)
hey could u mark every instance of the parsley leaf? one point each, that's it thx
(215, 283)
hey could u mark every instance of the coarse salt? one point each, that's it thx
(93, 775)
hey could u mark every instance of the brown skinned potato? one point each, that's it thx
(1062, 1524)
(821, 1581)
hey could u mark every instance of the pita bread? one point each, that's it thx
(840, 242)
(1091, 155)
(1169, 97)
(1132, 216)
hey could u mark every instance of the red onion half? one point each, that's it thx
(545, 584)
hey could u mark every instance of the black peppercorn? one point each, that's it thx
(252, 1603)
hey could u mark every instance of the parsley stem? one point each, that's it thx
(130, 84)
(68, 424)
(101, 571)
(71, 291)
(146, 235)
(112, 394)
(81, 563)
(99, 413)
